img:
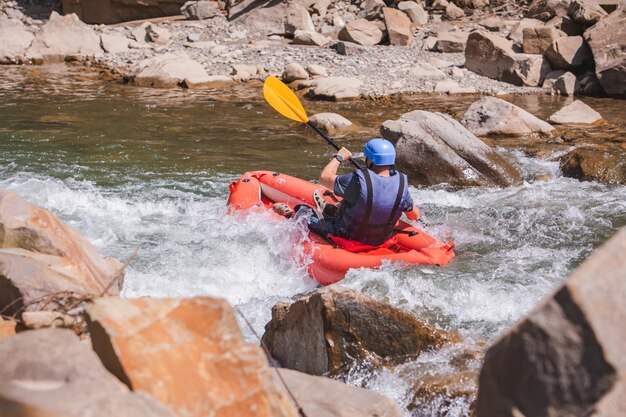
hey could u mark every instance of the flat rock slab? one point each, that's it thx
(330, 330)
(335, 88)
(567, 357)
(494, 116)
(169, 70)
(576, 112)
(52, 373)
(187, 353)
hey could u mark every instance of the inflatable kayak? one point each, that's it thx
(331, 256)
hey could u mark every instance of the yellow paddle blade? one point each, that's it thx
(283, 100)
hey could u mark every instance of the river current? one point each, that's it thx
(133, 168)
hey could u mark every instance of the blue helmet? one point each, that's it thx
(380, 151)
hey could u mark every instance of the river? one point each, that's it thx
(149, 169)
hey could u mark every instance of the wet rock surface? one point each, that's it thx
(567, 357)
(434, 148)
(52, 373)
(601, 163)
(332, 329)
(577, 112)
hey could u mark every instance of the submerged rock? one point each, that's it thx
(494, 116)
(169, 70)
(576, 112)
(62, 37)
(51, 373)
(319, 396)
(187, 353)
(601, 163)
(607, 39)
(329, 330)
(567, 357)
(434, 148)
(331, 123)
(40, 255)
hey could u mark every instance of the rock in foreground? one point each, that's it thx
(51, 373)
(40, 255)
(434, 148)
(494, 116)
(568, 356)
(189, 354)
(319, 396)
(328, 330)
(576, 112)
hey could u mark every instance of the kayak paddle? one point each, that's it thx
(285, 102)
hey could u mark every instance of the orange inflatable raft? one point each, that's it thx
(332, 257)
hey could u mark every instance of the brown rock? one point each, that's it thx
(361, 32)
(188, 353)
(566, 25)
(568, 355)
(568, 52)
(601, 163)
(40, 255)
(494, 116)
(517, 32)
(200, 10)
(398, 26)
(434, 148)
(297, 18)
(294, 72)
(319, 396)
(607, 39)
(52, 373)
(566, 84)
(304, 37)
(7, 328)
(328, 330)
(454, 12)
(493, 56)
(576, 112)
(586, 12)
(331, 123)
(537, 40)
(547, 9)
(114, 11)
(415, 11)
(451, 41)
(64, 36)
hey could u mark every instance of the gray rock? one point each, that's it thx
(243, 72)
(590, 85)
(494, 116)
(194, 37)
(349, 48)
(567, 357)
(551, 78)
(424, 69)
(433, 148)
(446, 86)
(319, 396)
(566, 84)
(547, 9)
(294, 72)
(576, 112)
(114, 44)
(335, 88)
(607, 39)
(331, 123)
(451, 41)
(200, 10)
(305, 37)
(317, 70)
(169, 70)
(157, 34)
(568, 52)
(334, 328)
(16, 39)
(415, 11)
(297, 18)
(139, 33)
(361, 32)
(52, 373)
(454, 12)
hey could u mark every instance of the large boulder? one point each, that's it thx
(333, 328)
(434, 148)
(567, 357)
(493, 56)
(607, 39)
(494, 116)
(319, 396)
(334, 88)
(268, 17)
(586, 12)
(398, 26)
(64, 36)
(15, 41)
(51, 373)
(169, 70)
(576, 112)
(601, 163)
(547, 9)
(362, 32)
(41, 256)
(114, 11)
(517, 31)
(568, 52)
(331, 123)
(538, 39)
(187, 353)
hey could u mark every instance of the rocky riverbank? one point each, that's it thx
(383, 49)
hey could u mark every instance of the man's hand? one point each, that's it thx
(413, 214)
(345, 154)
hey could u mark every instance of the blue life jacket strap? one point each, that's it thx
(370, 197)
(396, 205)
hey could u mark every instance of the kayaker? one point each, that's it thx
(373, 198)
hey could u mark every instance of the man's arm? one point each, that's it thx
(329, 173)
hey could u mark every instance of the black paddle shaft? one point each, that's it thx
(331, 142)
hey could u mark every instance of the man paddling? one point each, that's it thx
(373, 197)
